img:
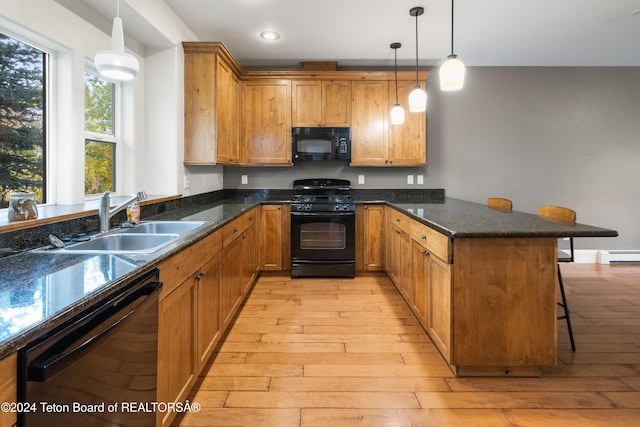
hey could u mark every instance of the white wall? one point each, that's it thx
(74, 41)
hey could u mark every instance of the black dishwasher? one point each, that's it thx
(99, 368)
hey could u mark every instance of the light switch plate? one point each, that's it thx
(420, 179)
(245, 179)
(409, 179)
(360, 179)
(187, 183)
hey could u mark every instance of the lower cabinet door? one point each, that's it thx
(439, 298)
(208, 317)
(231, 280)
(176, 358)
(420, 257)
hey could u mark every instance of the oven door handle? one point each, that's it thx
(77, 342)
(324, 214)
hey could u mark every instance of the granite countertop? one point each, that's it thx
(40, 291)
(459, 218)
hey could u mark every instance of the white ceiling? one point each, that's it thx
(358, 32)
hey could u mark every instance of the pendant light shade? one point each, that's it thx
(452, 71)
(115, 64)
(417, 97)
(397, 112)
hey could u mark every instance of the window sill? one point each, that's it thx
(58, 213)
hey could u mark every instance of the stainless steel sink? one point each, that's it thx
(163, 227)
(123, 243)
(144, 238)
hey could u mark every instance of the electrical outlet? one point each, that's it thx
(420, 179)
(360, 179)
(409, 179)
(187, 183)
(245, 179)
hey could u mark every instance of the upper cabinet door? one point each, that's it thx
(369, 123)
(408, 141)
(320, 103)
(199, 108)
(228, 114)
(266, 119)
(336, 103)
(306, 103)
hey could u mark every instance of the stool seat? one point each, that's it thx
(499, 204)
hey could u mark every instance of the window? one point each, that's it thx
(23, 137)
(100, 135)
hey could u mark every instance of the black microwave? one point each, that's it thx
(316, 143)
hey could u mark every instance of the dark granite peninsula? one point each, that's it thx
(484, 282)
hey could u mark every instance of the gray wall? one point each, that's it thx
(563, 136)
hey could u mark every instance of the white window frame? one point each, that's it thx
(116, 138)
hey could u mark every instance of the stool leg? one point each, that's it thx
(564, 305)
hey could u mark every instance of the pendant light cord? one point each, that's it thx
(118, 8)
(417, 50)
(452, 27)
(395, 51)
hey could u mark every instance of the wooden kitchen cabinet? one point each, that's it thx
(275, 237)
(266, 122)
(439, 320)
(418, 260)
(189, 322)
(211, 105)
(227, 114)
(407, 144)
(370, 237)
(208, 317)
(176, 352)
(239, 262)
(421, 274)
(374, 141)
(321, 103)
(8, 388)
(369, 123)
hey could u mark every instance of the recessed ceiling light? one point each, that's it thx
(269, 35)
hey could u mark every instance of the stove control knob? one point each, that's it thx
(300, 208)
(307, 207)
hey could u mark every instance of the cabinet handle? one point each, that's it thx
(424, 237)
(398, 232)
(426, 252)
(235, 230)
(398, 219)
(366, 207)
(200, 275)
(244, 236)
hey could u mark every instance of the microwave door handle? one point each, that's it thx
(52, 362)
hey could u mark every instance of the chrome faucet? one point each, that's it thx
(105, 214)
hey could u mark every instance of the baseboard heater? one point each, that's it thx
(607, 257)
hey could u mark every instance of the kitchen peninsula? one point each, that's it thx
(496, 272)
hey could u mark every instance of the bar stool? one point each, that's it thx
(499, 204)
(565, 216)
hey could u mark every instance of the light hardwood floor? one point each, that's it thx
(348, 352)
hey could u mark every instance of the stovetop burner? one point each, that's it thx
(322, 195)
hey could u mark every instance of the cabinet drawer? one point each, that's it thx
(398, 219)
(181, 266)
(428, 238)
(236, 227)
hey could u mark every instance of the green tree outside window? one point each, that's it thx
(22, 120)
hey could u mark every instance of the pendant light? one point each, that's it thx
(397, 112)
(452, 71)
(417, 97)
(115, 64)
